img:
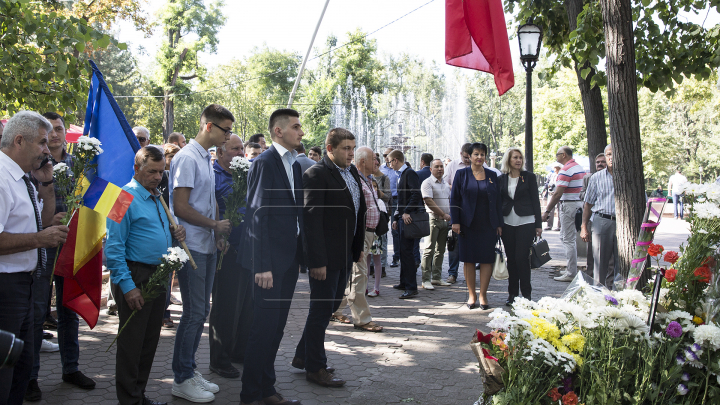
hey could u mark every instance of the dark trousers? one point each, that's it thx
(416, 251)
(16, 317)
(68, 325)
(325, 298)
(518, 241)
(41, 290)
(137, 343)
(395, 233)
(270, 312)
(408, 269)
(231, 315)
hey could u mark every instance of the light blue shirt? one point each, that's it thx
(191, 168)
(142, 236)
(392, 176)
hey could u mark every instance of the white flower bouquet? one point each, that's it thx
(236, 199)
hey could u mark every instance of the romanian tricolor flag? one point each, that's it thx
(107, 199)
(80, 260)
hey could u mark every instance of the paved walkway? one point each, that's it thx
(421, 357)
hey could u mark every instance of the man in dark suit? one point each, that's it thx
(424, 171)
(409, 200)
(335, 234)
(305, 162)
(272, 250)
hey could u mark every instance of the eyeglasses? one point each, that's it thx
(141, 139)
(559, 153)
(226, 130)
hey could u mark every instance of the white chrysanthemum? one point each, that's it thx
(707, 334)
(240, 163)
(612, 313)
(706, 210)
(636, 325)
(523, 303)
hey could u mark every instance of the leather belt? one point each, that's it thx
(140, 264)
(606, 216)
(369, 229)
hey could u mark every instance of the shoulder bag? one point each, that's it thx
(419, 227)
(539, 253)
(382, 227)
(500, 270)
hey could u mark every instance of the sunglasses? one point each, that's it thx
(141, 139)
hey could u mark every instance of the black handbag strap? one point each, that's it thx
(372, 193)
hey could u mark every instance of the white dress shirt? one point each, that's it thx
(17, 215)
(288, 158)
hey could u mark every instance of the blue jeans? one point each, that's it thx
(454, 260)
(384, 240)
(67, 331)
(677, 200)
(195, 289)
(166, 314)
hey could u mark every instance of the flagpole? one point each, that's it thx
(307, 55)
(172, 222)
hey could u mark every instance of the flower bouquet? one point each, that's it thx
(236, 199)
(158, 282)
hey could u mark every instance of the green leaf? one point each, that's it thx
(80, 46)
(585, 72)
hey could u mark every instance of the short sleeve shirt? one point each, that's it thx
(439, 191)
(571, 177)
(191, 168)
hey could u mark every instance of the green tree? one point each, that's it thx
(190, 27)
(39, 65)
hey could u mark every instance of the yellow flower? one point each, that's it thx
(578, 359)
(574, 341)
(697, 320)
(543, 329)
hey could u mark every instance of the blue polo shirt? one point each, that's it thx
(392, 176)
(142, 236)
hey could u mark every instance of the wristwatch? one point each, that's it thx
(47, 183)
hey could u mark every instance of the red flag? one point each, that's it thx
(79, 262)
(476, 38)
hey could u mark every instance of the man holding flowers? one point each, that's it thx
(134, 249)
(192, 198)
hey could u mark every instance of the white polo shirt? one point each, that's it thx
(17, 214)
(439, 191)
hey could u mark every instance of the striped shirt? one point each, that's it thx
(372, 216)
(571, 177)
(601, 193)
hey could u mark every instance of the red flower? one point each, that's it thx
(655, 250)
(554, 394)
(704, 273)
(671, 257)
(570, 399)
(670, 275)
(709, 262)
(483, 338)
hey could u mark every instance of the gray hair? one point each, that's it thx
(364, 152)
(609, 146)
(25, 123)
(141, 131)
(505, 165)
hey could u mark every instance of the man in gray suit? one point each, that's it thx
(305, 162)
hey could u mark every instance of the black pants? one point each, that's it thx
(16, 317)
(517, 241)
(408, 269)
(137, 343)
(231, 315)
(270, 312)
(325, 298)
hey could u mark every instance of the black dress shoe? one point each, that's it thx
(79, 379)
(408, 294)
(228, 371)
(48, 335)
(394, 263)
(383, 272)
(485, 306)
(33, 393)
(399, 286)
(473, 305)
(148, 401)
(299, 363)
(510, 301)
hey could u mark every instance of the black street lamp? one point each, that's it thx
(530, 38)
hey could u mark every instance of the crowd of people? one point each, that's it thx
(330, 213)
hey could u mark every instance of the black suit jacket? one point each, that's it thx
(526, 200)
(270, 241)
(331, 228)
(409, 196)
(463, 198)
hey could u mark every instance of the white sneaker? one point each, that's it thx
(49, 347)
(214, 388)
(373, 293)
(427, 285)
(440, 282)
(192, 390)
(565, 277)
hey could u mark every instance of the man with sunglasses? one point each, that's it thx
(133, 250)
(193, 201)
(143, 136)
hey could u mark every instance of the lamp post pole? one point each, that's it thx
(528, 121)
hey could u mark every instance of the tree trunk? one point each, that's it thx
(591, 96)
(624, 126)
(168, 115)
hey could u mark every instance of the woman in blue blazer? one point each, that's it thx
(476, 211)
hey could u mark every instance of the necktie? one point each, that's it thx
(42, 258)
(289, 171)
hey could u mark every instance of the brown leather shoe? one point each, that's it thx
(278, 399)
(299, 363)
(325, 379)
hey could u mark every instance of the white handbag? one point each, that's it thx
(500, 270)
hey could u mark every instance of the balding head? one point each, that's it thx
(365, 160)
(564, 154)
